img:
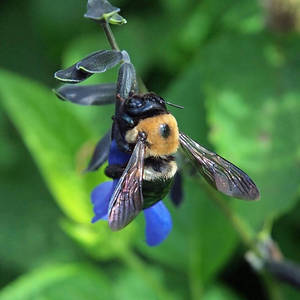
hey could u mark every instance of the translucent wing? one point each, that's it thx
(127, 199)
(223, 175)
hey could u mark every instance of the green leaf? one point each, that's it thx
(57, 138)
(129, 285)
(8, 150)
(218, 292)
(243, 16)
(63, 282)
(54, 136)
(254, 114)
(25, 200)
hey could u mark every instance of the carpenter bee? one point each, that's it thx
(145, 129)
(147, 138)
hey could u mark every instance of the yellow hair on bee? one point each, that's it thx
(162, 134)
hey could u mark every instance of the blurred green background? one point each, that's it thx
(234, 65)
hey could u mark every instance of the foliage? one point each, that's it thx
(239, 84)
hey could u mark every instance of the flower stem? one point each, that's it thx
(195, 279)
(247, 236)
(114, 45)
(109, 35)
(245, 233)
(273, 289)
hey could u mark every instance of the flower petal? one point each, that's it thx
(96, 94)
(99, 61)
(100, 198)
(117, 157)
(158, 223)
(100, 154)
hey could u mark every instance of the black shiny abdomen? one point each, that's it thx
(154, 191)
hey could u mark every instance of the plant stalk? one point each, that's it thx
(109, 35)
(245, 233)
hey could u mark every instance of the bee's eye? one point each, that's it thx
(134, 103)
(164, 130)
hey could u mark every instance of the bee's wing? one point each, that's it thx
(127, 199)
(223, 175)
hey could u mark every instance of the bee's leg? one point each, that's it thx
(128, 120)
(118, 136)
(176, 193)
(119, 98)
(114, 171)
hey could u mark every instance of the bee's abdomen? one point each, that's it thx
(154, 191)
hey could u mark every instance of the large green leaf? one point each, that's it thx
(82, 281)
(130, 285)
(218, 292)
(252, 94)
(30, 234)
(53, 136)
(57, 139)
(59, 282)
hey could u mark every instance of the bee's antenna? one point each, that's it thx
(175, 105)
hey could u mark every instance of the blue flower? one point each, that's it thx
(158, 218)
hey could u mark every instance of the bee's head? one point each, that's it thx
(162, 134)
(144, 106)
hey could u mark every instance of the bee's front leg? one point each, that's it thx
(118, 136)
(114, 171)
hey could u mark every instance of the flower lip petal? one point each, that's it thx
(100, 198)
(71, 75)
(101, 153)
(158, 223)
(117, 157)
(100, 61)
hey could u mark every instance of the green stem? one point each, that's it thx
(110, 36)
(135, 263)
(114, 45)
(245, 233)
(273, 288)
(195, 280)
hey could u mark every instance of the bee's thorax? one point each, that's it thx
(162, 134)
